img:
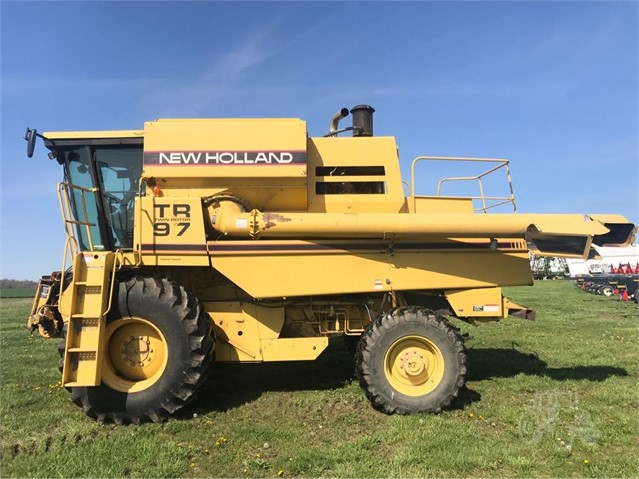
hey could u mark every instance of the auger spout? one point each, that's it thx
(559, 235)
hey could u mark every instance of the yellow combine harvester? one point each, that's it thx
(245, 240)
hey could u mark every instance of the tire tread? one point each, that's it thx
(185, 308)
(374, 388)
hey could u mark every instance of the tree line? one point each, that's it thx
(17, 283)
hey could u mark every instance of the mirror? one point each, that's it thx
(30, 136)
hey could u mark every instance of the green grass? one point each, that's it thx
(542, 398)
(18, 293)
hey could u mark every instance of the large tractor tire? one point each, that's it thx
(410, 361)
(158, 348)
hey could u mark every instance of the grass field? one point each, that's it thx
(18, 293)
(554, 398)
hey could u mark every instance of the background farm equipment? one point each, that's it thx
(622, 283)
(543, 267)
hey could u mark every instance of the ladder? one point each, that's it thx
(91, 292)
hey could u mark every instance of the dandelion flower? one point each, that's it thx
(586, 461)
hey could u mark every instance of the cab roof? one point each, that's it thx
(86, 135)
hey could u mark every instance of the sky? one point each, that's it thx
(551, 86)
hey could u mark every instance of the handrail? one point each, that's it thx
(64, 191)
(501, 163)
(405, 183)
(71, 245)
(67, 247)
(137, 245)
(64, 206)
(117, 264)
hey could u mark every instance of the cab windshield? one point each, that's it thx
(113, 172)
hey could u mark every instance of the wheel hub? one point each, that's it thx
(136, 354)
(136, 351)
(413, 363)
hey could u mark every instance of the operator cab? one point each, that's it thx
(102, 177)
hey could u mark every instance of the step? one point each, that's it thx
(85, 283)
(82, 350)
(75, 385)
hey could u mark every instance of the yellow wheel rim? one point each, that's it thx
(136, 355)
(414, 365)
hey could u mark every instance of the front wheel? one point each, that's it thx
(158, 348)
(410, 361)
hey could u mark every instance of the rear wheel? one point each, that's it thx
(411, 361)
(158, 348)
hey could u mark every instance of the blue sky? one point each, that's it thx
(551, 86)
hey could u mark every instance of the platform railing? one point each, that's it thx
(487, 202)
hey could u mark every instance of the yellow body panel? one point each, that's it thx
(225, 134)
(331, 154)
(486, 302)
(331, 267)
(293, 349)
(249, 333)
(430, 204)
(244, 148)
(170, 231)
(237, 331)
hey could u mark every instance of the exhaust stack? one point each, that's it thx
(362, 120)
(337, 117)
